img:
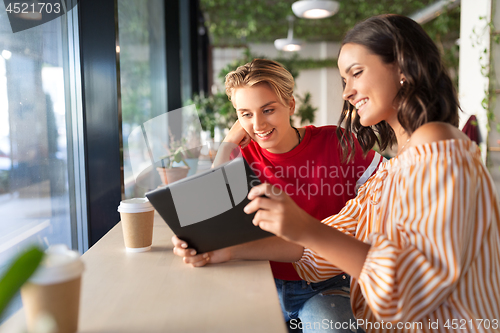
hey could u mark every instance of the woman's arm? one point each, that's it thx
(279, 214)
(237, 136)
(271, 248)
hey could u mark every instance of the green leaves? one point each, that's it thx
(18, 273)
(214, 110)
(305, 111)
(237, 22)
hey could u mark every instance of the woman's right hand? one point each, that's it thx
(238, 135)
(198, 260)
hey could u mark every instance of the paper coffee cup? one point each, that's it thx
(137, 216)
(54, 290)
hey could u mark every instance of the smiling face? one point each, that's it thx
(370, 84)
(264, 118)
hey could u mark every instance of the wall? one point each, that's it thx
(474, 39)
(493, 160)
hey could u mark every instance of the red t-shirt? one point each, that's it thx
(313, 175)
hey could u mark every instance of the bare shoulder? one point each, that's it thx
(436, 131)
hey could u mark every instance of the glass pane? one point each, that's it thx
(142, 73)
(34, 187)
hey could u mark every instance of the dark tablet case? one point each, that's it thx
(232, 227)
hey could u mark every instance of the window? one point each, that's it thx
(38, 117)
(142, 72)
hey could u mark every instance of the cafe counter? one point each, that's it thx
(156, 292)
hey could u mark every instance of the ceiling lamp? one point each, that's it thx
(288, 44)
(315, 9)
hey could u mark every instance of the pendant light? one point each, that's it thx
(288, 44)
(315, 9)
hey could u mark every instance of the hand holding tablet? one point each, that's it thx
(206, 210)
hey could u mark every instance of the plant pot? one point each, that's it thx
(170, 175)
(193, 165)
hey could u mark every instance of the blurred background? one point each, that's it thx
(73, 89)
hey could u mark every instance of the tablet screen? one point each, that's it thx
(206, 210)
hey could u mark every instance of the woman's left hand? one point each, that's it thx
(278, 213)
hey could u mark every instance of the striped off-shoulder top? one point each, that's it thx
(432, 218)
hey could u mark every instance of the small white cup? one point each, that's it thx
(137, 216)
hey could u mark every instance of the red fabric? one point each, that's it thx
(471, 130)
(313, 175)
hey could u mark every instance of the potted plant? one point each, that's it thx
(174, 165)
(192, 151)
(169, 172)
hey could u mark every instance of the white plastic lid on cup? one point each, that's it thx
(59, 264)
(135, 205)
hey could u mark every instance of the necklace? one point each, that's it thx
(298, 134)
(403, 146)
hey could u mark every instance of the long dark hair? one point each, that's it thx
(427, 95)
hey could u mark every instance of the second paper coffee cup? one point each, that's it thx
(54, 290)
(137, 216)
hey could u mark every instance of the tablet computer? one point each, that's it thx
(206, 209)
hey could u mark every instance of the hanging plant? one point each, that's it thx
(238, 22)
(305, 112)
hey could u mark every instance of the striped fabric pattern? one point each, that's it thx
(432, 218)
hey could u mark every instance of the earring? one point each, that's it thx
(402, 81)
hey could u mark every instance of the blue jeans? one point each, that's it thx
(321, 307)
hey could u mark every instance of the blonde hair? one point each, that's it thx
(262, 71)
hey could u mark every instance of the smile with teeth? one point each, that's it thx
(361, 103)
(263, 135)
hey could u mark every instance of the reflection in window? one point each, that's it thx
(34, 188)
(142, 72)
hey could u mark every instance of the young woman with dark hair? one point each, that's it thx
(426, 93)
(421, 240)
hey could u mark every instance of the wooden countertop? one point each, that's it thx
(156, 292)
